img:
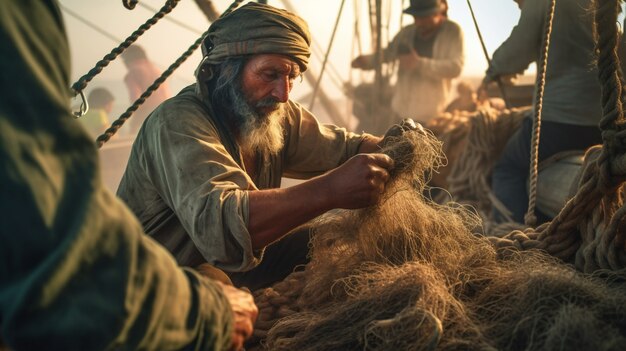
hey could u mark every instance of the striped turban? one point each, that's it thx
(258, 29)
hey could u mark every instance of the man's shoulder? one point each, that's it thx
(186, 108)
(187, 100)
(451, 25)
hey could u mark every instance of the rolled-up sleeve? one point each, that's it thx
(202, 183)
(314, 148)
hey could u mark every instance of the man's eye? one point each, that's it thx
(294, 77)
(270, 76)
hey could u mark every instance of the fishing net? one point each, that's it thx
(412, 274)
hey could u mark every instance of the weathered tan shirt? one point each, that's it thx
(186, 183)
(422, 93)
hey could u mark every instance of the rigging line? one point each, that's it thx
(482, 43)
(130, 4)
(388, 37)
(330, 45)
(317, 51)
(84, 80)
(89, 24)
(357, 32)
(104, 32)
(334, 74)
(173, 20)
(378, 74)
(118, 123)
(530, 218)
(393, 65)
(356, 42)
(331, 66)
(107, 34)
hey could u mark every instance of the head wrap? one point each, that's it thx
(258, 29)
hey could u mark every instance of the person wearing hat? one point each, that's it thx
(77, 271)
(571, 106)
(430, 54)
(205, 170)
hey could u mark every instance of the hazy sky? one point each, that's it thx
(167, 40)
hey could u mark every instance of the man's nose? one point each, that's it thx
(281, 90)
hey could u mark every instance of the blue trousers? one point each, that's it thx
(510, 173)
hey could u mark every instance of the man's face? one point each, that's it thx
(428, 24)
(257, 101)
(267, 80)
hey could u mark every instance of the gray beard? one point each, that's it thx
(258, 132)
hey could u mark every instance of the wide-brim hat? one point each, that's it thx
(423, 8)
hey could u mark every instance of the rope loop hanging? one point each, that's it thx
(590, 230)
(530, 218)
(119, 122)
(130, 4)
(81, 84)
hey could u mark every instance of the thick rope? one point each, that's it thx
(530, 218)
(580, 232)
(81, 84)
(130, 4)
(118, 123)
(173, 20)
(602, 177)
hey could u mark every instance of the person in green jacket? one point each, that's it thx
(77, 272)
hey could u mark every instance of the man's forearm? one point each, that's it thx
(274, 212)
(370, 144)
(358, 183)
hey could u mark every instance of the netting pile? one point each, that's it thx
(472, 143)
(410, 274)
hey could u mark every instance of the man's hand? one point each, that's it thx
(409, 61)
(245, 313)
(360, 62)
(396, 130)
(359, 182)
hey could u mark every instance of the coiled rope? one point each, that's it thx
(589, 231)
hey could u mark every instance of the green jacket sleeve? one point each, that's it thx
(76, 271)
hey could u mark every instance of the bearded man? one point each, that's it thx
(205, 170)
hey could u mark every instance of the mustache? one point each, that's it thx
(268, 102)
